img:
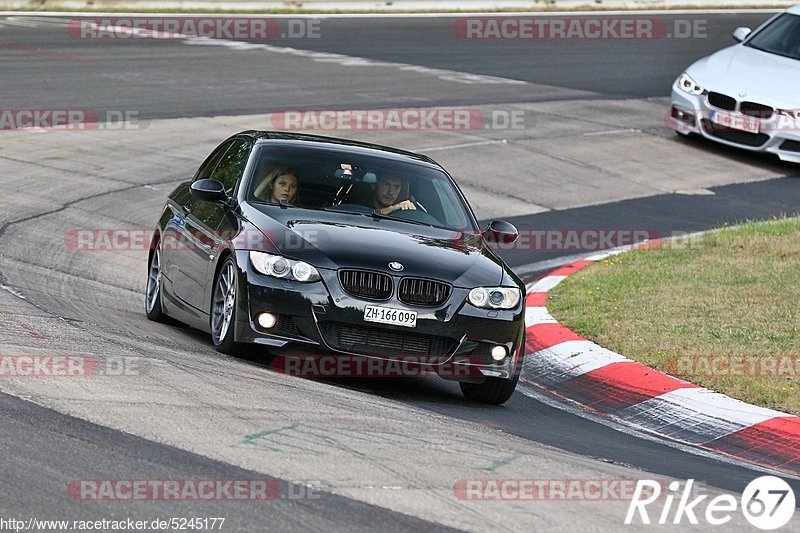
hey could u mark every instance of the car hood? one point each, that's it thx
(347, 241)
(765, 78)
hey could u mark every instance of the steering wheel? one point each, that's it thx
(416, 203)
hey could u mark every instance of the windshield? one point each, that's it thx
(356, 184)
(781, 37)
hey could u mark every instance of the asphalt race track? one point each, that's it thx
(349, 454)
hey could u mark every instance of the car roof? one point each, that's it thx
(321, 141)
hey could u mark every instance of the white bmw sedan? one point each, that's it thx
(746, 95)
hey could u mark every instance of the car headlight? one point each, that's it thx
(277, 266)
(791, 113)
(687, 84)
(494, 297)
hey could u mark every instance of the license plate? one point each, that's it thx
(388, 315)
(736, 122)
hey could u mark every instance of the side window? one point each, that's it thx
(231, 166)
(210, 163)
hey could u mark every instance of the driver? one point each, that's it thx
(386, 190)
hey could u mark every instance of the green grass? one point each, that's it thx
(730, 298)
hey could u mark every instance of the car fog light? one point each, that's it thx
(266, 320)
(499, 353)
(682, 115)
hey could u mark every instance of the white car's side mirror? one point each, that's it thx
(740, 34)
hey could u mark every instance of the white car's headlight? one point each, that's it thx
(687, 84)
(494, 297)
(278, 266)
(791, 113)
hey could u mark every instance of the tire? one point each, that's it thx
(152, 295)
(494, 391)
(223, 308)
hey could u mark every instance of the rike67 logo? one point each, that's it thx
(767, 503)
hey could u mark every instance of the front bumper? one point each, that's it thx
(453, 340)
(779, 135)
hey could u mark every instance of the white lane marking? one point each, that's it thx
(321, 57)
(710, 403)
(547, 283)
(603, 255)
(696, 192)
(611, 132)
(532, 391)
(463, 145)
(538, 315)
(19, 21)
(568, 360)
(33, 22)
(355, 61)
(12, 291)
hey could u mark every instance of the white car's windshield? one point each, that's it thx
(356, 183)
(781, 37)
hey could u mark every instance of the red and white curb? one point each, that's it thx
(562, 362)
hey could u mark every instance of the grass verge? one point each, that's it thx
(721, 310)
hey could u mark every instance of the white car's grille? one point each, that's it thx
(722, 101)
(756, 110)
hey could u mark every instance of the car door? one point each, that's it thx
(177, 240)
(182, 251)
(201, 221)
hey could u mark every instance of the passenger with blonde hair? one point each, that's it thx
(279, 184)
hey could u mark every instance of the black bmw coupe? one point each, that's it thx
(343, 248)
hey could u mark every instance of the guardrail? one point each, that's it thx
(372, 5)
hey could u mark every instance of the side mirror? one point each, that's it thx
(501, 232)
(209, 190)
(740, 34)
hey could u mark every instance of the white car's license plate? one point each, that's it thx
(736, 122)
(388, 315)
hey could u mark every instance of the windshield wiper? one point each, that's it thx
(330, 209)
(283, 203)
(377, 214)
